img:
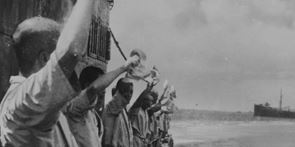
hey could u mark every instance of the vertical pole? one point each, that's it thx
(281, 98)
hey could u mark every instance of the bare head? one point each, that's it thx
(89, 75)
(34, 40)
(145, 100)
(125, 88)
(86, 78)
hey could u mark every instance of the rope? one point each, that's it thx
(117, 45)
(122, 53)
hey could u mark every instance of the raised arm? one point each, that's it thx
(105, 80)
(54, 78)
(72, 42)
(153, 109)
(86, 99)
(41, 96)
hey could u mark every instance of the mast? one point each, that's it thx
(281, 99)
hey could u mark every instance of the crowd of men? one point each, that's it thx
(48, 105)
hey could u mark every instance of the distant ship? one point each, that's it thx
(267, 111)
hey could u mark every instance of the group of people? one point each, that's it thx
(49, 105)
(150, 118)
(145, 124)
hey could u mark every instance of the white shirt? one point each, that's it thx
(31, 107)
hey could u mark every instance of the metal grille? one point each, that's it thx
(98, 41)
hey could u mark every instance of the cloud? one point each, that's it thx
(237, 35)
(225, 46)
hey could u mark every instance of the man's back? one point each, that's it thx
(32, 106)
(29, 110)
(84, 122)
(86, 130)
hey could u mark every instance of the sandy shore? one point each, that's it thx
(233, 133)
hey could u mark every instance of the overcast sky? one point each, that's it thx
(219, 54)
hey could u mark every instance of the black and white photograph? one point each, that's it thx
(147, 73)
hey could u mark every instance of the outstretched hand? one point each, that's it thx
(132, 62)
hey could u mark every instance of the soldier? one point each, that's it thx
(30, 110)
(140, 120)
(117, 127)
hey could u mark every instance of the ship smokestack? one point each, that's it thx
(281, 99)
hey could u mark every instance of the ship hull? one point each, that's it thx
(264, 111)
